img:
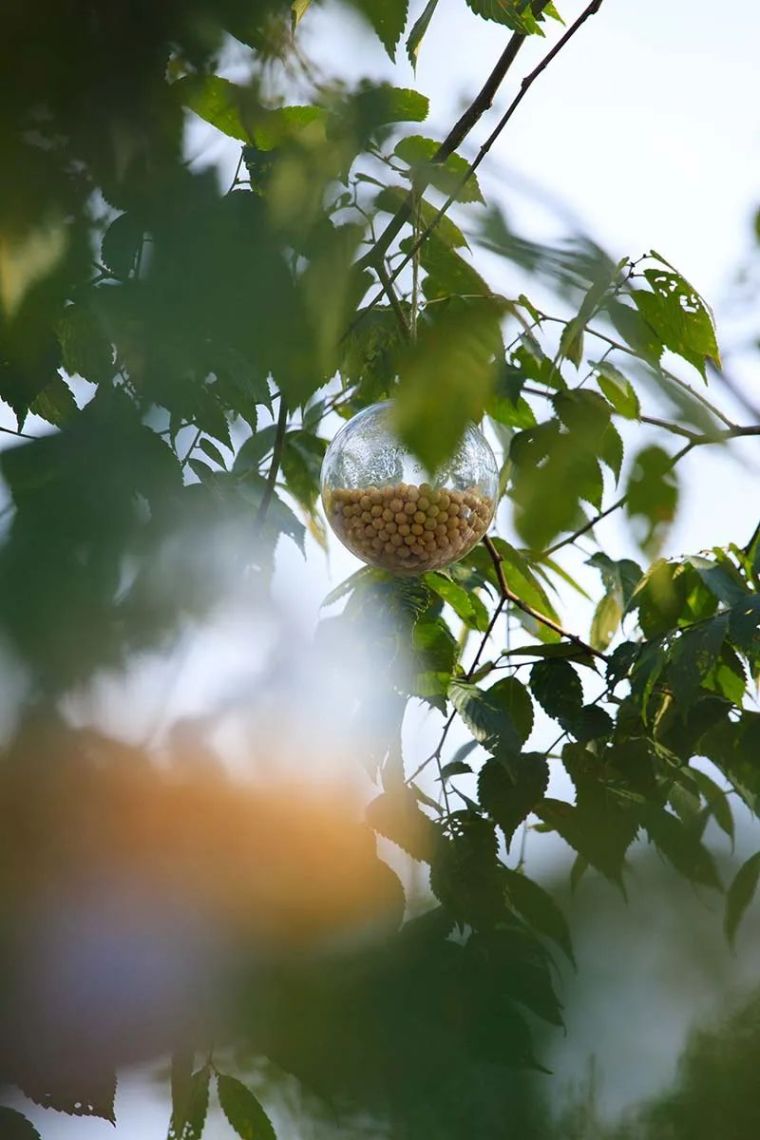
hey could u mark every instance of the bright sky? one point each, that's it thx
(648, 129)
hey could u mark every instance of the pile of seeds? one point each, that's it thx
(408, 529)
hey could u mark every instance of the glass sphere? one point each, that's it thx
(383, 506)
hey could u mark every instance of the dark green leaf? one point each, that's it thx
(14, 1126)
(740, 895)
(418, 152)
(90, 1096)
(514, 14)
(86, 349)
(121, 244)
(539, 910)
(487, 718)
(388, 18)
(456, 767)
(213, 452)
(598, 831)
(243, 1110)
(680, 846)
(557, 688)
(55, 403)
(397, 816)
(619, 578)
(190, 1110)
(510, 788)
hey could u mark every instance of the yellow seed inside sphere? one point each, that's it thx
(408, 529)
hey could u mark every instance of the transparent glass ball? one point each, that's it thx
(389, 512)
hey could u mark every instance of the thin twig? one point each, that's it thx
(480, 104)
(19, 434)
(511, 596)
(385, 281)
(525, 86)
(274, 467)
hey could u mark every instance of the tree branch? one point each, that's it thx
(511, 596)
(525, 86)
(387, 285)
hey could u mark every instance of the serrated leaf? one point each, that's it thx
(487, 718)
(14, 1126)
(446, 176)
(679, 316)
(382, 105)
(393, 198)
(510, 788)
(55, 403)
(539, 910)
(86, 350)
(618, 389)
(213, 452)
(465, 603)
(740, 894)
(514, 14)
(680, 846)
(92, 1095)
(557, 688)
(512, 695)
(596, 830)
(243, 1110)
(388, 18)
(216, 100)
(190, 1111)
(397, 816)
(417, 34)
(456, 767)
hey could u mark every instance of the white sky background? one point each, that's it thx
(647, 128)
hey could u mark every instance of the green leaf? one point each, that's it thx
(451, 275)
(652, 495)
(617, 388)
(724, 581)
(397, 816)
(418, 152)
(213, 452)
(620, 578)
(740, 895)
(302, 456)
(539, 910)
(605, 621)
(14, 1126)
(121, 245)
(387, 17)
(55, 403)
(598, 831)
(487, 717)
(243, 1110)
(557, 688)
(418, 31)
(86, 350)
(514, 14)
(510, 788)
(393, 198)
(465, 603)
(512, 695)
(445, 381)
(523, 582)
(565, 649)
(217, 101)
(678, 315)
(298, 9)
(434, 657)
(190, 1108)
(680, 846)
(381, 105)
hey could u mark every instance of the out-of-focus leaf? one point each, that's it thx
(216, 100)
(740, 894)
(397, 816)
(191, 1108)
(14, 1126)
(392, 198)
(539, 910)
(652, 495)
(445, 381)
(55, 403)
(605, 621)
(446, 176)
(86, 350)
(121, 244)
